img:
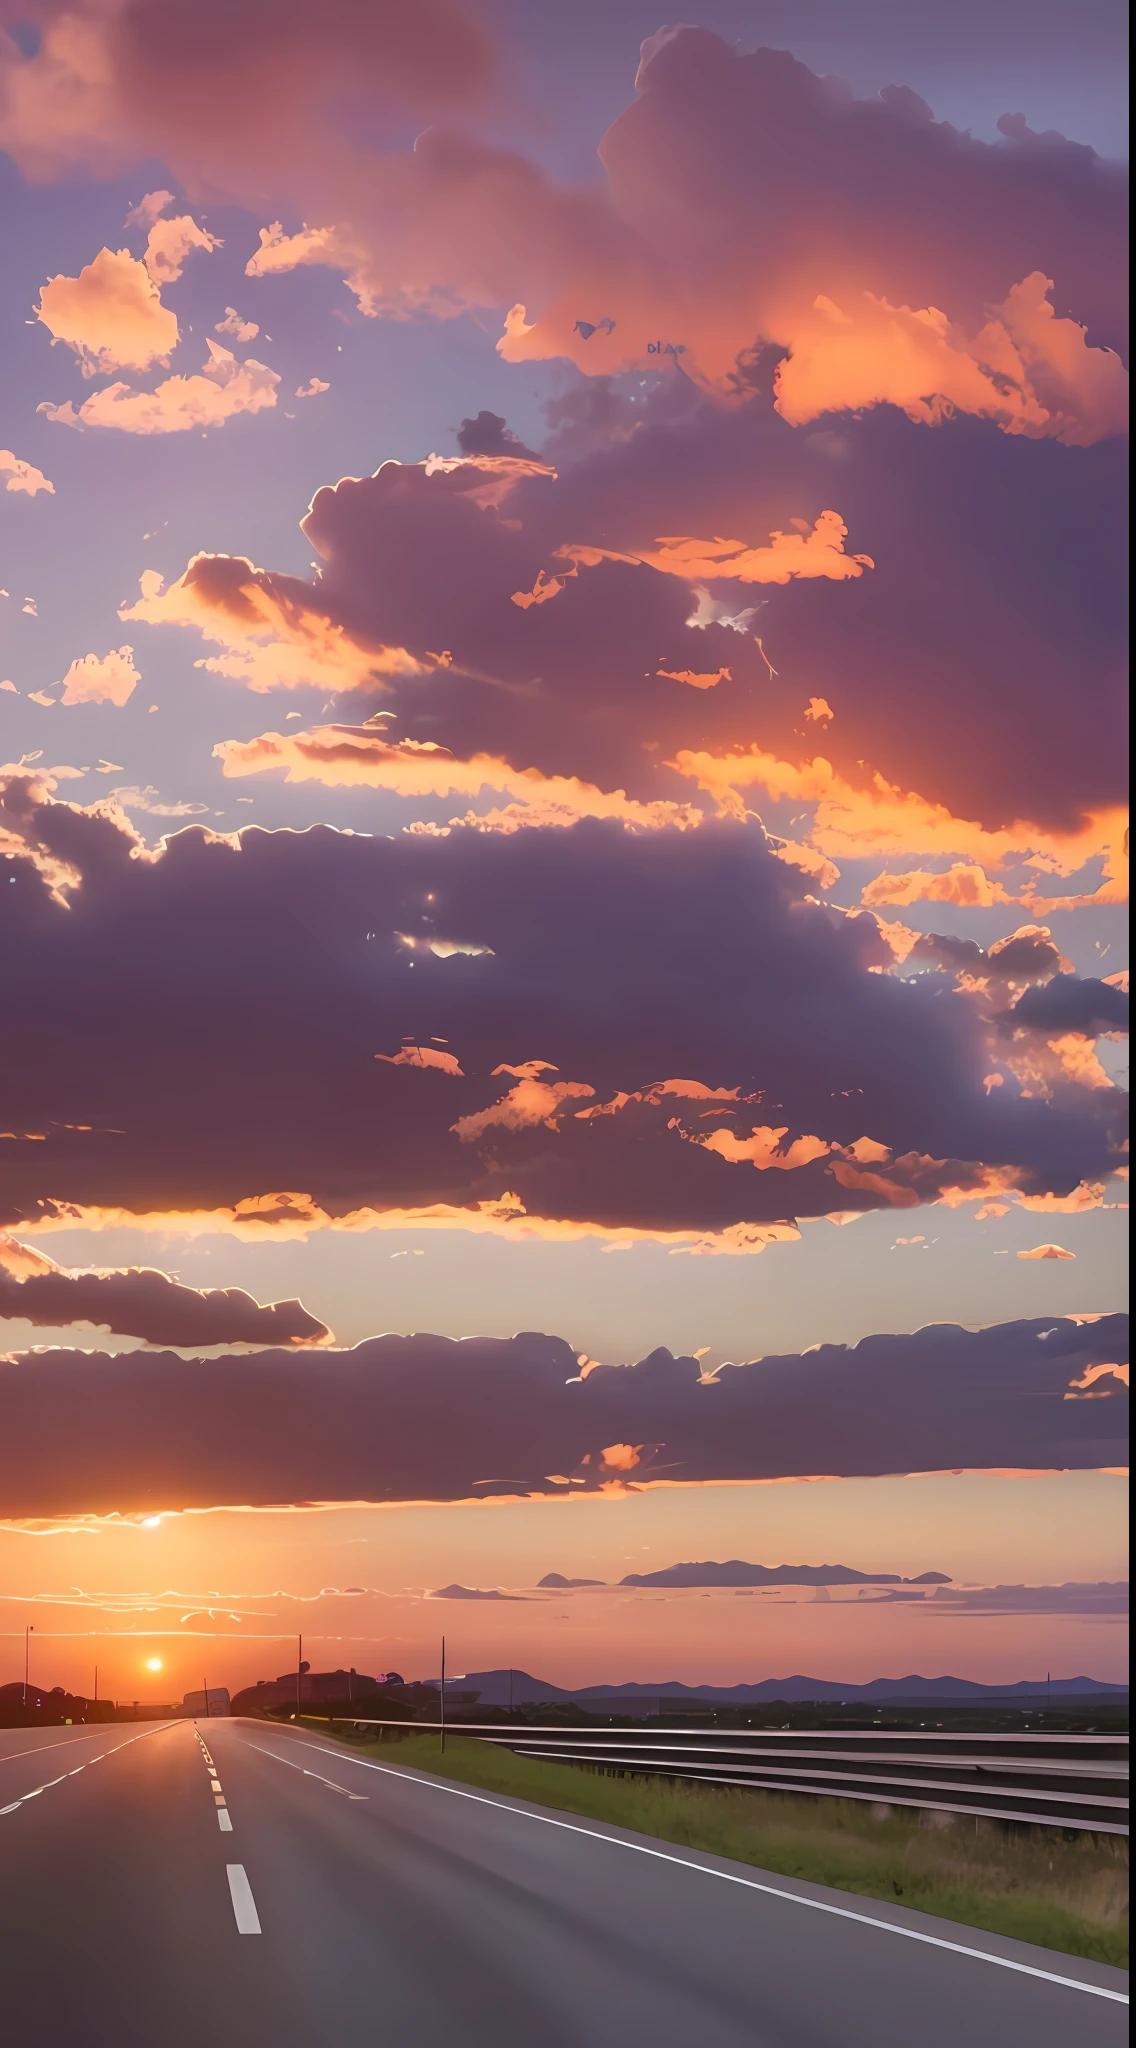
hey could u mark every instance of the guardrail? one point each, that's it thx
(1062, 1781)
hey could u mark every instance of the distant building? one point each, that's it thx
(217, 1702)
(308, 1688)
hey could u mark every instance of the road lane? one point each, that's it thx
(388, 1907)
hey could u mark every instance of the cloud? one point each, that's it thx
(168, 244)
(111, 315)
(471, 1593)
(312, 388)
(235, 325)
(1027, 370)
(148, 209)
(225, 388)
(963, 884)
(22, 476)
(345, 756)
(1047, 1251)
(737, 1573)
(882, 256)
(543, 627)
(576, 962)
(432, 1418)
(139, 1301)
(101, 679)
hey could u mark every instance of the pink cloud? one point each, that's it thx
(101, 679)
(312, 388)
(233, 324)
(22, 476)
(1047, 1251)
(168, 244)
(148, 209)
(111, 315)
(180, 403)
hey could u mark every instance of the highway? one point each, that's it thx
(168, 1885)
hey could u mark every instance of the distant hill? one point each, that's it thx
(735, 1572)
(495, 1689)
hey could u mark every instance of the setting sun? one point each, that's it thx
(153, 1663)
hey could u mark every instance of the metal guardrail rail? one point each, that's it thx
(1062, 1781)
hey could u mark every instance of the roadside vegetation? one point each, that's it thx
(1066, 1892)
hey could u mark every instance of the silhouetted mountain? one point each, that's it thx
(497, 1687)
(559, 1583)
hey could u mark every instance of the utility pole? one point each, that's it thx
(27, 1636)
(299, 1671)
(206, 1699)
(443, 1699)
(510, 1693)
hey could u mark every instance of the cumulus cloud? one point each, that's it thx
(592, 949)
(531, 639)
(111, 315)
(148, 209)
(139, 1301)
(168, 244)
(22, 476)
(224, 388)
(739, 190)
(101, 679)
(432, 1418)
(235, 325)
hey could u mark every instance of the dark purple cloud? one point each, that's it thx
(1068, 1004)
(735, 1572)
(255, 1018)
(432, 1418)
(141, 1302)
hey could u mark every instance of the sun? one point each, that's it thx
(153, 1663)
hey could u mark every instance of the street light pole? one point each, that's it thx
(299, 1671)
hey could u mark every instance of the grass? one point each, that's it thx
(1065, 1892)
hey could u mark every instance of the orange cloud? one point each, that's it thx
(763, 1148)
(963, 884)
(819, 710)
(270, 641)
(225, 388)
(339, 756)
(111, 315)
(696, 682)
(855, 824)
(809, 552)
(109, 679)
(531, 1103)
(22, 476)
(291, 1218)
(1029, 371)
(421, 1056)
(1047, 1251)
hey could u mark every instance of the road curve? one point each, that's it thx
(250, 1884)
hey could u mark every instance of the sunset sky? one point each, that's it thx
(581, 567)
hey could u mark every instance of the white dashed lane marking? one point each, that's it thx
(244, 1905)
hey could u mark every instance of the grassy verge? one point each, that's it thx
(1035, 1884)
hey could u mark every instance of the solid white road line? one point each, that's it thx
(773, 1891)
(16, 1803)
(39, 1747)
(244, 1905)
(317, 1775)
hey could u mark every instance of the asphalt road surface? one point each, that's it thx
(175, 1886)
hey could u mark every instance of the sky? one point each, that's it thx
(568, 939)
